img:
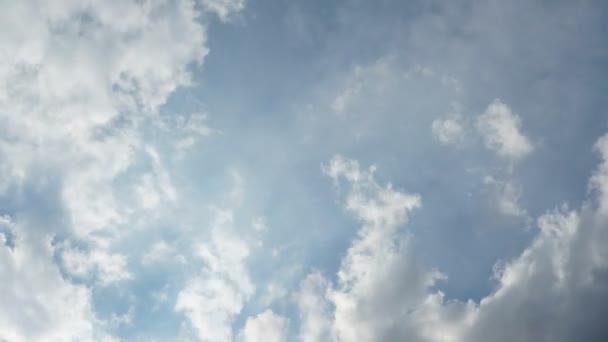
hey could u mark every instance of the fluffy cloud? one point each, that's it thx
(78, 113)
(379, 281)
(78, 82)
(213, 298)
(554, 291)
(105, 266)
(500, 130)
(265, 327)
(314, 309)
(86, 164)
(557, 288)
(37, 302)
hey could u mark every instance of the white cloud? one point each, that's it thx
(449, 130)
(384, 209)
(265, 327)
(273, 293)
(314, 309)
(500, 130)
(555, 290)
(78, 81)
(379, 280)
(212, 299)
(224, 9)
(37, 303)
(155, 187)
(106, 267)
(78, 114)
(184, 130)
(161, 252)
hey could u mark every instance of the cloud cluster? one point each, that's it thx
(553, 291)
(212, 299)
(78, 82)
(266, 326)
(37, 302)
(498, 127)
(91, 207)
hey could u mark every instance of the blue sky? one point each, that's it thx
(256, 170)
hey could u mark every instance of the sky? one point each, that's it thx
(303, 170)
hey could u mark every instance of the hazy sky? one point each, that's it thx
(306, 170)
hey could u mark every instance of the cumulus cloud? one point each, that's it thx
(314, 309)
(78, 82)
(554, 291)
(500, 129)
(81, 88)
(557, 288)
(78, 112)
(379, 280)
(265, 327)
(37, 303)
(104, 266)
(212, 298)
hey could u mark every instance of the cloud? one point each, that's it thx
(265, 327)
(554, 290)
(37, 302)
(96, 189)
(500, 130)
(79, 113)
(189, 131)
(79, 83)
(314, 309)
(161, 252)
(599, 180)
(449, 130)
(104, 266)
(367, 78)
(505, 195)
(155, 187)
(273, 293)
(212, 298)
(381, 211)
(379, 280)
(224, 9)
